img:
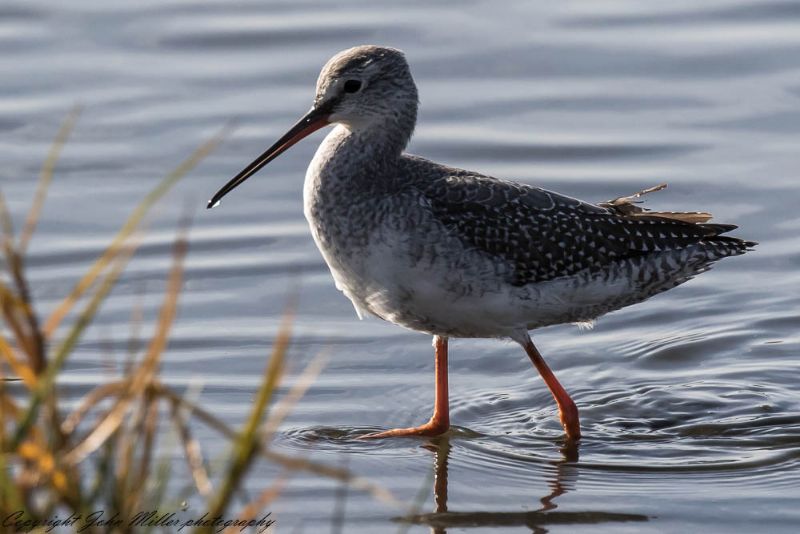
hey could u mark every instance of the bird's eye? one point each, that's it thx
(352, 86)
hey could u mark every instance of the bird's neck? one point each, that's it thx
(363, 155)
(381, 138)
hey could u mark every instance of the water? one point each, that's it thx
(689, 401)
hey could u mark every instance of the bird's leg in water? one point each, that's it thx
(567, 410)
(440, 420)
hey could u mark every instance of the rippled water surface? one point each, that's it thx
(689, 401)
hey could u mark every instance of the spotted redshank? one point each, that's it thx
(458, 254)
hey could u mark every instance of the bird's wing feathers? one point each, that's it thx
(545, 235)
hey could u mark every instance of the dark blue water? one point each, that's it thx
(689, 401)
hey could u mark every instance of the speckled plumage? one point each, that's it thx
(457, 254)
(425, 245)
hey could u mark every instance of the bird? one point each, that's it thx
(457, 254)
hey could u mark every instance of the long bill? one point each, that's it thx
(310, 123)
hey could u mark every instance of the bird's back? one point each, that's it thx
(543, 235)
(561, 259)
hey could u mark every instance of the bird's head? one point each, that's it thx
(359, 87)
(366, 84)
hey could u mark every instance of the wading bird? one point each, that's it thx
(455, 253)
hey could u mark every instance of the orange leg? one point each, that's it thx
(567, 410)
(440, 420)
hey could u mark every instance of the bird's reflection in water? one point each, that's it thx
(563, 479)
(565, 475)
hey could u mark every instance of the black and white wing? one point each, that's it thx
(544, 235)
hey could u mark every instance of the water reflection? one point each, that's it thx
(566, 475)
(563, 479)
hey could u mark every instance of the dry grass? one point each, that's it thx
(101, 454)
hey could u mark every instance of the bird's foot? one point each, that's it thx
(431, 428)
(568, 413)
